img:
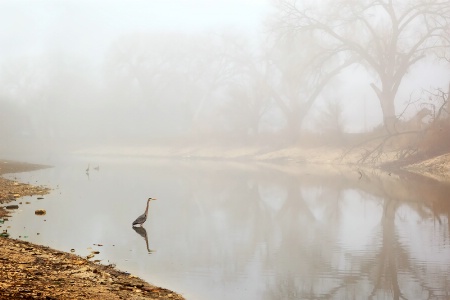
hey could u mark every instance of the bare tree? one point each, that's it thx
(331, 121)
(177, 76)
(248, 101)
(387, 37)
(212, 66)
(51, 92)
(304, 69)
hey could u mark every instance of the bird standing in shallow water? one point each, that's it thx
(142, 218)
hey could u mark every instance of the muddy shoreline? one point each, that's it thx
(30, 271)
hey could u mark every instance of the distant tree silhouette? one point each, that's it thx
(387, 37)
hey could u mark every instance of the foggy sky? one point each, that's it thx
(74, 69)
(87, 27)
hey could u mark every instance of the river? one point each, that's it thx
(228, 230)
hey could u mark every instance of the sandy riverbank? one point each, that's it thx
(29, 271)
(437, 168)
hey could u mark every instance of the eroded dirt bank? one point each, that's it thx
(29, 271)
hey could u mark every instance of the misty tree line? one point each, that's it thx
(178, 85)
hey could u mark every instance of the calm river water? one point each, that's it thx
(247, 231)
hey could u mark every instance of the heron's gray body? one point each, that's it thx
(142, 218)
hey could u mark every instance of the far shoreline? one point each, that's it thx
(435, 167)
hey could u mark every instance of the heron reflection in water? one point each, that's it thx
(142, 232)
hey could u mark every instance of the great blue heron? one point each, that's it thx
(142, 218)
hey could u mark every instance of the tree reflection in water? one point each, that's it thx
(295, 224)
(389, 270)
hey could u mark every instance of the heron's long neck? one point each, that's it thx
(146, 209)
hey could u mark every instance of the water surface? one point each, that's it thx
(247, 231)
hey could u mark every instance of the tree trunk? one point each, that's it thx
(389, 117)
(447, 105)
(294, 125)
(387, 103)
